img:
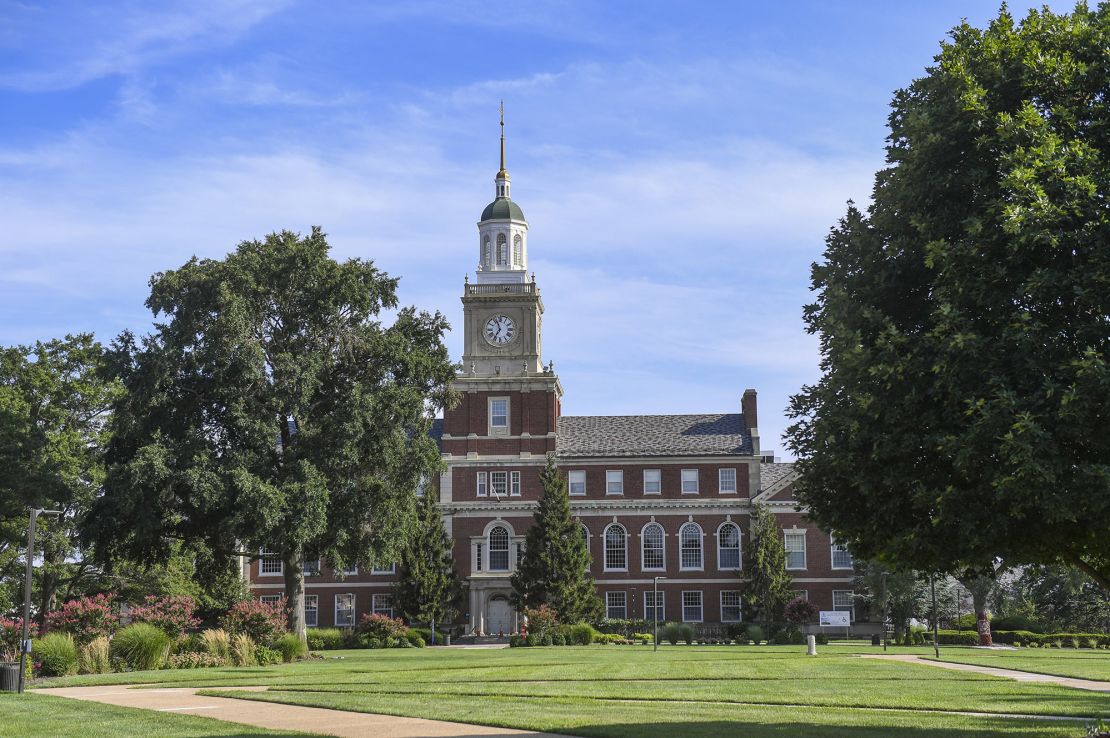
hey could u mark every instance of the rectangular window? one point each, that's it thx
(795, 542)
(689, 481)
(653, 609)
(344, 610)
(270, 564)
(841, 556)
(730, 607)
(350, 571)
(270, 599)
(576, 483)
(391, 569)
(311, 610)
(311, 567)
(801, 594)
(614, 482)
(382, 604)
(726, 481)
(652, 485)
(616, 605)
(514, 481)
(691, 607)
(477, 557)
(845, 601)
(499, 413)
(498, 483)
(481, 484)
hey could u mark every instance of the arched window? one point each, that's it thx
(689, 538)
(485, 252)
(728, 546)
(585, 535)
(498, 549)
(502, 250)
(616, 548)
(518, 251)
(651, 548)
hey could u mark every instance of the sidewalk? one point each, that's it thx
(286, 717)
(1021, 676)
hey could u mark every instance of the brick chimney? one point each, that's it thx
(748, 408)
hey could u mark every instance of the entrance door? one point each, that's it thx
(499, 616)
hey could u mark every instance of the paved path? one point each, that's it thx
(278, 716)
(1021, 676)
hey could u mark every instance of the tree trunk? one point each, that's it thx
(52, 557)
(294, 594)
(984, 627)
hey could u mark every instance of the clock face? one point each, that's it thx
(499, 330)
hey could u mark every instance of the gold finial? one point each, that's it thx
(502, 174)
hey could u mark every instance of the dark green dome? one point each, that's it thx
(502, 209)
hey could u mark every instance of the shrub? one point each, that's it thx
(644, 638)
(532, 639)
(217, 644)
(291, 647)
(1090, 643)
(192, 660)
(558, 640)
(957, 638)
(172, 615)
(266, 656)
(781, 638)
(243, 650)
(800, 611)
(1014, 622)
(756, 634)
(737, 631)
(324, 639)
(541, 620)
(426, 634)
(822, 639)
(11, 637)
(687, 632)
(94, 657)
(86, 618)
(373, 625)
(57, 654)
(517, 642)
(141, 646)
(262, 621)
(671, 633)
(581, 634)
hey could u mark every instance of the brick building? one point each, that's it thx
(656, 495)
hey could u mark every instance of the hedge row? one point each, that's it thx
(1025, 638)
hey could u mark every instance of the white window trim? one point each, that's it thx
(270, 599)
(624, 607)
(662, 606)
(832, 557)
(643, 548)
(391, 570)
(354, 613)
(304, 567)
(805, 553)
(682, 482)
(514, 484)
(605, 548)
(374, 607)
(493, 486)
(614, 471)
(739, 548)
(508, 550)
(499, 430)
(587, 535)
(702, 606)
(701, 535)
(840, 608)
(659, 481)
(570, 491)
(316, 620)
(800, 593)
(481, 485)
(265, 553)
(739, 603)
(720, 480)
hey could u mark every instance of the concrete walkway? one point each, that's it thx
(1021, 676)
(273, 715)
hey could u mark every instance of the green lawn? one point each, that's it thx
(1069, 662)
(33, 715)
(769, 692)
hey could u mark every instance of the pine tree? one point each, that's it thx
(767, 589)
(554, 569)
(427, 587)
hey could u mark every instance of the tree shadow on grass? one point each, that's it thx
(806, 729)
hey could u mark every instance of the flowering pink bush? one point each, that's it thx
(86, 618)
(373, 625)
(541, 620)
(11, 633)
(173, 615)
(263, 622)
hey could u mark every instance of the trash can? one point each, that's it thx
(9, 677)
(876, 640)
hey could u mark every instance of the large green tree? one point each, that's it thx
(272, 409)
(765, 583)
(54, 403)
(964, 318)
(428, 588)
(555, 567)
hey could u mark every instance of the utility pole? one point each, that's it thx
(25, 646)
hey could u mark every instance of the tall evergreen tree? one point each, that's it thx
(766, 589)
(427, 587)
(555, 567)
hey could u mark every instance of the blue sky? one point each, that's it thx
(679, 163)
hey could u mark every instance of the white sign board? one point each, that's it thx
(836, 619)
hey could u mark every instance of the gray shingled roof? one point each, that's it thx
(652, 435)
(772, 474)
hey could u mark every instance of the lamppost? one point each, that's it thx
(25, 646)
(655, 615)
(936, 624)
